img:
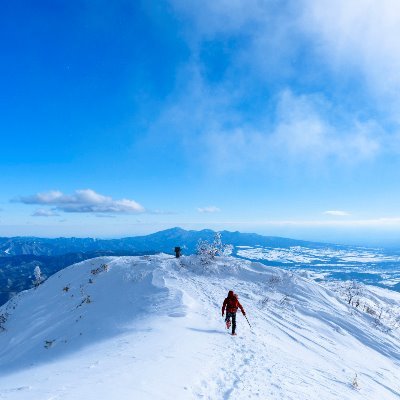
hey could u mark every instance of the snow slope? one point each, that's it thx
(150, 328)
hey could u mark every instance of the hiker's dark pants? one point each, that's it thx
(232, 315)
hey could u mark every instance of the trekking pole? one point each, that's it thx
(247, 321)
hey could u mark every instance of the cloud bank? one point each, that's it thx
(297, 83)
(81, 201)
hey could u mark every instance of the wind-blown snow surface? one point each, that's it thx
(151, 328)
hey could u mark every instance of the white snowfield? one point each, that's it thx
(151, 328)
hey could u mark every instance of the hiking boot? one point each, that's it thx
(228, 324)
(234, 334)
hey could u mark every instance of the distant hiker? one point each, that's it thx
(177, 252)
(231, 303)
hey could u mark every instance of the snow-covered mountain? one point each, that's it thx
(150, 327)
(163, 241)
(20, 255)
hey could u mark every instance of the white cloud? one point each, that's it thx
(348, 35)
(354, 35)
(290, 127)
(301, 134)
(83, 201)
(303, 128)
(220, 16)
(209, 209)
(337, 213)
(41, 212)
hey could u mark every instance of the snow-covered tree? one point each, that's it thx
(38, 276)
(208, 250)
(353, 291)
(221, 249)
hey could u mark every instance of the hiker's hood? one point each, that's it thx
(230, 293)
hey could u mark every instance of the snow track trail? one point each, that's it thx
(151, 328)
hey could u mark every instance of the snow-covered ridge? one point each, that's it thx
(150, 328)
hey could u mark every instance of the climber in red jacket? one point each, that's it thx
(231, 303)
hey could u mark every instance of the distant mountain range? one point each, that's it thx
(20, 255)
(163, 241)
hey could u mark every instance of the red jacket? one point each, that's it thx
(231, 303)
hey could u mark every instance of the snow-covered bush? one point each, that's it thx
(38, 276)
(221, 249)
(208, 251)
(203, 249)
(352, 291)
(384, 317)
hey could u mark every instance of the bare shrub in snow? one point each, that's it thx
(48, 343)
(274, 280)
(369, 310)
(284, 299)
(103, 267)
(85, 300)
(3, 320)
(354, 383)
(264, 302)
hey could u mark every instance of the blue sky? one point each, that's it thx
(126, 117)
